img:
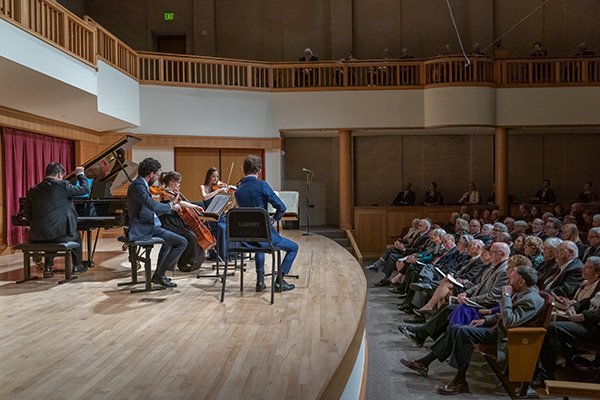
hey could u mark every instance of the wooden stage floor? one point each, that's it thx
(89, 339)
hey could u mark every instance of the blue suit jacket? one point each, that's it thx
(141, 208)
(255, 193)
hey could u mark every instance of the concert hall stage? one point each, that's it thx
(89, 339)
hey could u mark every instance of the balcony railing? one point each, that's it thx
(88, 41)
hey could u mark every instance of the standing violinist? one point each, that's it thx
(144, 223)
(193, 256)
(209, 190)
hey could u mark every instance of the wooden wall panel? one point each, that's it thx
(236, 157)
(192, 164)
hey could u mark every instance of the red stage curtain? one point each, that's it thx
(26, 155)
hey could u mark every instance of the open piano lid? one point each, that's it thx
(110, 164)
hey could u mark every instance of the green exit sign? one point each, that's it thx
(169, 16)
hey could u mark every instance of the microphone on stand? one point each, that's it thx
(308, 181)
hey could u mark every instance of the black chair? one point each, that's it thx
(139, 251)
(246, 228)
(47, 249)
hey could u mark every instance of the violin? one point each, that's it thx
(189, 216)
(220, 185)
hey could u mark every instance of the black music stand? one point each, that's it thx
(309, 178)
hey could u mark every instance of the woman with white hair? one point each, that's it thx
(305, 77)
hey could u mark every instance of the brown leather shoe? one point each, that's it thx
(451, 388)
(415, 366)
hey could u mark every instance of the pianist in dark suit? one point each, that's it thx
(50, 210)
(252, 192)
(144, 223)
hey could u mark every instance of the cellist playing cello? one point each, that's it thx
(194, 255)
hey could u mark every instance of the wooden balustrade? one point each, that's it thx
(87, 40)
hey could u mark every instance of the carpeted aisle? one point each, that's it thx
(388, 379)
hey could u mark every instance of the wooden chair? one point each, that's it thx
(47, 249)
(251, 228)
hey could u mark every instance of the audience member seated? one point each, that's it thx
(432, 197)
(520, 228)
(596, 221)
(451, 226)
(412, 233)
(491, 199)
(567, 277)
(471, 196)
(385, 75)
(549, 266)
(559, 211)
(588, 221)
(476, 50)
(587, 196)
(405, 54)
(468, 275)
(553, 227)
(475, 228)
(590, 285)
(570, 232)
(486, 293)
(547, 215)
(525, 214)
(405, 198)
(495, 216)
(486, 216)
(461, 227)
(505, 237)
(306, 76)
(519, 305)
(538, 50)
(577, 213)
(536, 212)
(340, 72)
(534, 250)
(497, 231)
(390, 256)
(486, 233)
(594, 248)
(583, 319)
(583, 51)
(519, 244)
(510, 224)
(545, 195)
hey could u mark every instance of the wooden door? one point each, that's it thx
(236, 156)
(192, 164)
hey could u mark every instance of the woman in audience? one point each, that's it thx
(432, 197)
(519, 244)
(461, 227)
(450, 226)
(590, 285)
(559, 211)
(525, 213)
(486, 217)
(486, 233)
(570, 232)
(534, 250)
(547, 268)
(471, 196)
(536, 212)
(434, 249)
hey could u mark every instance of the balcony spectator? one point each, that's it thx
(405, 198)
(583, 51)
(348, 56)
(471, 196)
(545, 195)
(305, 77)
(491, 199)
(476, 50)
(538, 50)
(432, 197)
(587, 196)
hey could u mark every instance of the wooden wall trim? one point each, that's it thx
(172, 141)
(11, 118)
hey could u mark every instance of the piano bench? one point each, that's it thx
(139, 251)
(64, 249)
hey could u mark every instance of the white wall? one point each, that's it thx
(165, 156)
(118, 94)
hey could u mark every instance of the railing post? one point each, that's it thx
(66, 30)
(345, 72)
(271, 71)
(161, 69)
(584, 70)
(249, 76)
(558, 79)
(24, 12)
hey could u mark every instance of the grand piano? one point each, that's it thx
(107, 172)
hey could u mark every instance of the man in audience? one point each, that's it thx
(519, 305)
(510, 224)
(553, 227)
(525, 214)
(596, 221)
(450, 227)
(538, 229)
(485, 293)
(475, 228)
(412, 233)
(520, 229)
(497, 230)
(495, 216)
(594, 248)
(405, 198)
(577, 213)
(546, 216)
(545, 195)
(549, 265)
(567, 277)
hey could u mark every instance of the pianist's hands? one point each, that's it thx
(79, 170)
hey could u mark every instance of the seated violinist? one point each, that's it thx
(193, 256)
(212, 187)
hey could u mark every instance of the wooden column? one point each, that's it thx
(345, 179)
(501, 178)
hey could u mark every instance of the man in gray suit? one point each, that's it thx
(486, 293)
(567, 277)
(519, 304)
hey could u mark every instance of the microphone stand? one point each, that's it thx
(309, 178)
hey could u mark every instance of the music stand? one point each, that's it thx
(309, 178)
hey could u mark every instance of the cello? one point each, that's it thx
(190, 217)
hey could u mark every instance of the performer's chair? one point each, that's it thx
(247, 227)
(47, 249)
(139, 251)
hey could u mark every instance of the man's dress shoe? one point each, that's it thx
(415, 320)
(395, 290)
(383, 282)
(163, 281)
(283, 286)
(452, 388)
(420, 287)
(406, 331)
(260, 286)
(79, 268)
(373, 267)
(415, 366)
(423, 313)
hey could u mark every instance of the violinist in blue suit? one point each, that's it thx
(252, 192)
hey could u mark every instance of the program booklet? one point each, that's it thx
(449, 277)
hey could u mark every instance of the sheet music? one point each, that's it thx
(290, 201)
(217, 204)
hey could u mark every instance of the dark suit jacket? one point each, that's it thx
(409, 199)
(141, 208)
(50, 210)
(589, 252)
(549, 198)
(418, 245)
(470, 270)
(569, 280)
